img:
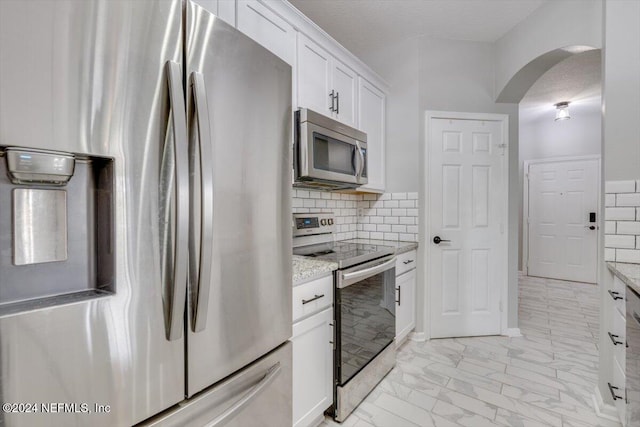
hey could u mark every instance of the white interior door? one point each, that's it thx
(467, 210)
(561, 197)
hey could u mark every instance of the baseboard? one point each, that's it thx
(512, 332)
(604, 410)
(418, 336)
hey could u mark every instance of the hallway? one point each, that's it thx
(544, 378)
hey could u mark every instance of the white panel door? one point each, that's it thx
(345, 83)
(314, 76)
(467, 193)
(561, 197)
(371, 117)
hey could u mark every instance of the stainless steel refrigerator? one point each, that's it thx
(145, 272)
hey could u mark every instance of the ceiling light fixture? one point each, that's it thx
(562, 111)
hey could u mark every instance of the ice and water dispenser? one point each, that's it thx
(56, 228)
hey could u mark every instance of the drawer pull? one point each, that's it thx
(613, 339)
(399, 289)
(307, 301)
(613, 389)
(409, 261)
(615, 295)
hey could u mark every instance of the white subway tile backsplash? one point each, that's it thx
(619, 242)
(391, 220)
(628, 227)
(622, 225)
(609, 254)
(610, 200)
(628, 255)
(407, 220)
(389, 216)
(401, 229)
(620, 187)
(629, 199)
(622, 214)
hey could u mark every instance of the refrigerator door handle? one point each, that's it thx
(201, 295)
(255, 391)
(179, 126)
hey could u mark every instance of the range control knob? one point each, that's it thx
(330, 221)
(323, 222)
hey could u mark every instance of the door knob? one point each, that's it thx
(437, 240)
(590, 227)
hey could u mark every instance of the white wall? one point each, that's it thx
(556, 24)
(542, 138)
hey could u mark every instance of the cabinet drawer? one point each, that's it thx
(312, 297)
(619, 391)
(619, 334)
(618, 294)
(405, 262)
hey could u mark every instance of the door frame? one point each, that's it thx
(425, 220)
(525, 202)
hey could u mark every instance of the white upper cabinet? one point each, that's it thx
(223, 9)
(345, 84)
(325, 84)
(267, 28)
(314, 77)
(371, 119)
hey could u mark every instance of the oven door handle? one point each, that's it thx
(351, 278)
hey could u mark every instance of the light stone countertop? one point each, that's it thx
(628, 273)
(307, 268)
(400, 247)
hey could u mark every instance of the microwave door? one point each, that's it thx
(330, 156)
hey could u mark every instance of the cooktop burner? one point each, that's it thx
(344, 253)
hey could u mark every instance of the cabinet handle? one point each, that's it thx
(399, 289)
(337, 102)
(613, 338)
(333, 99)
(407, 262)
(307, 301)
(615, 295)
(612, 390)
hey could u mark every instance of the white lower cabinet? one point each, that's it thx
(405, 304)
(312, 368)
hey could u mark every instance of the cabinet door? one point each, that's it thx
(405, 304)
(371, 119)
(314, 76)
(223, 9)
(345, 83)
(267, 28)
(312, 367)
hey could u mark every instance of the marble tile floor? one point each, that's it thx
(544, 378)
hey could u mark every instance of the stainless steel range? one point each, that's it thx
(364, 307)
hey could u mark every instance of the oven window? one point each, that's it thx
(366, 322)
(333, 155)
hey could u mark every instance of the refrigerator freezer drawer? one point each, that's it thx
(258, 395)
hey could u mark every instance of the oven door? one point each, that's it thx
(330, 156)
(365, 315)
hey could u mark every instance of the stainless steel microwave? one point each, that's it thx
(328, 155)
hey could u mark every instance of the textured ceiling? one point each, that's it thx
(363, 25)
(575, 79)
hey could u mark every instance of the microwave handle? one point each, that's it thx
(362, 162)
